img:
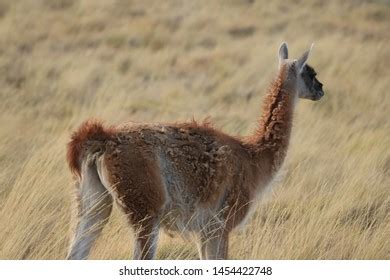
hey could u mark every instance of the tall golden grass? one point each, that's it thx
(62, 61)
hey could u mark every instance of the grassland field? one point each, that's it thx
(63, 61)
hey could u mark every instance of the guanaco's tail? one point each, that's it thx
(91, 133)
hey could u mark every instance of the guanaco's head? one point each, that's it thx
(301, 75)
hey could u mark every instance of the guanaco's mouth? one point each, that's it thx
(318, 96)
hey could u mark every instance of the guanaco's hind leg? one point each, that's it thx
(213, 243)
(94, 208)
(146, 237)
(201, 244)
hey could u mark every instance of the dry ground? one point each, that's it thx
(62, 61)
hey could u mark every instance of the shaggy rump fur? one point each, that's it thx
(90, 130)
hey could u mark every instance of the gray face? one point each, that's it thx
(308, 85)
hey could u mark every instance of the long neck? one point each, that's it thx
(271, 139)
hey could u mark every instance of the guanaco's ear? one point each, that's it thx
(283, 52)
(303, 59)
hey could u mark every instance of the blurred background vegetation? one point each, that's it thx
(62, 61)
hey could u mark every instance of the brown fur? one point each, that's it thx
(145, 164)
(272, 136)
(90, 130)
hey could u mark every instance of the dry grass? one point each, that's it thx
(65, 60)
